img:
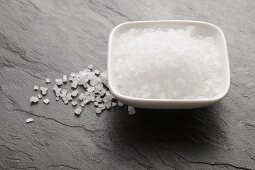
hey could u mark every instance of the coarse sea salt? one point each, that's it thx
(93, 88)
(157, 63)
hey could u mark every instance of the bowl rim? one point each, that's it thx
(122, 97)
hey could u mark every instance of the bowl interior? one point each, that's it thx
(203, 29)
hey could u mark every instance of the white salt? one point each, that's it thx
(77, 111)
(64, 78)
(59, 82)
(46, 101)
(33, 99)
(131, 110)
(43, 90)
(166, 64)
(39, 95)
(29, 120)
(74, 103)
(47, 80)
(36, 88)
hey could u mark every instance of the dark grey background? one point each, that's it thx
(49, 38)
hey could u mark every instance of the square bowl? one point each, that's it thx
(202, 29)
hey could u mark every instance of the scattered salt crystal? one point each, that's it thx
(43, 90)
(74, 93)
(69, 96)
(90, 66)
(81, 96)
(59, 82)
(96, 71)
(98, 110)
(74, 103)
(46, 101)
(108, 105)
(29, 120)
(94, 84)
(36, 88)
(114, 104)
(64, 78)
(77, 111)
(101, 105)
(120, 103)
(72, 74)
(47, 80)
(166, 63)
(39, 95)
(84, 102)
(131, 110)
(63, 93)
(74, 84)
(33, 99)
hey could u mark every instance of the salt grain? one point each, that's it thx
(47, 80)
(59, 82)
(74, 103)
(64, 78)
(39, 95)
(36, 88)
(43, 90)
(46, 101)
(77, 111)
(33, 99)
(131, 110)
(29, 120)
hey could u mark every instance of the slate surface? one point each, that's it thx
(49, 38)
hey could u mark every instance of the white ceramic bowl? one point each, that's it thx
(203, 29)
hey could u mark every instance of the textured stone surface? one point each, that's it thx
(49, 38)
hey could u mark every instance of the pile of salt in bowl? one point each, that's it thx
(163, 63)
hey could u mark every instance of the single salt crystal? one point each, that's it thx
(114, 104)
(166, 63)
(90, 89)
(69, 96)
(98, 110)
(101, 105)
(74, 93)
(43, 90)
(131, 110)
(59, 82)
(77, 111)
(120, 103)
(64, 78)
(81, 96)
(74, 103)
(108, 105)
(84, 102)
(90, 66)
(104, 75)
(63, 93)
(47, 80)
(57, 98)
(39, 95)
(74, 84)
(33, 99)
(72, 74)
(96, 71)
(29, 120)
(46, 101)
(36, 88)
